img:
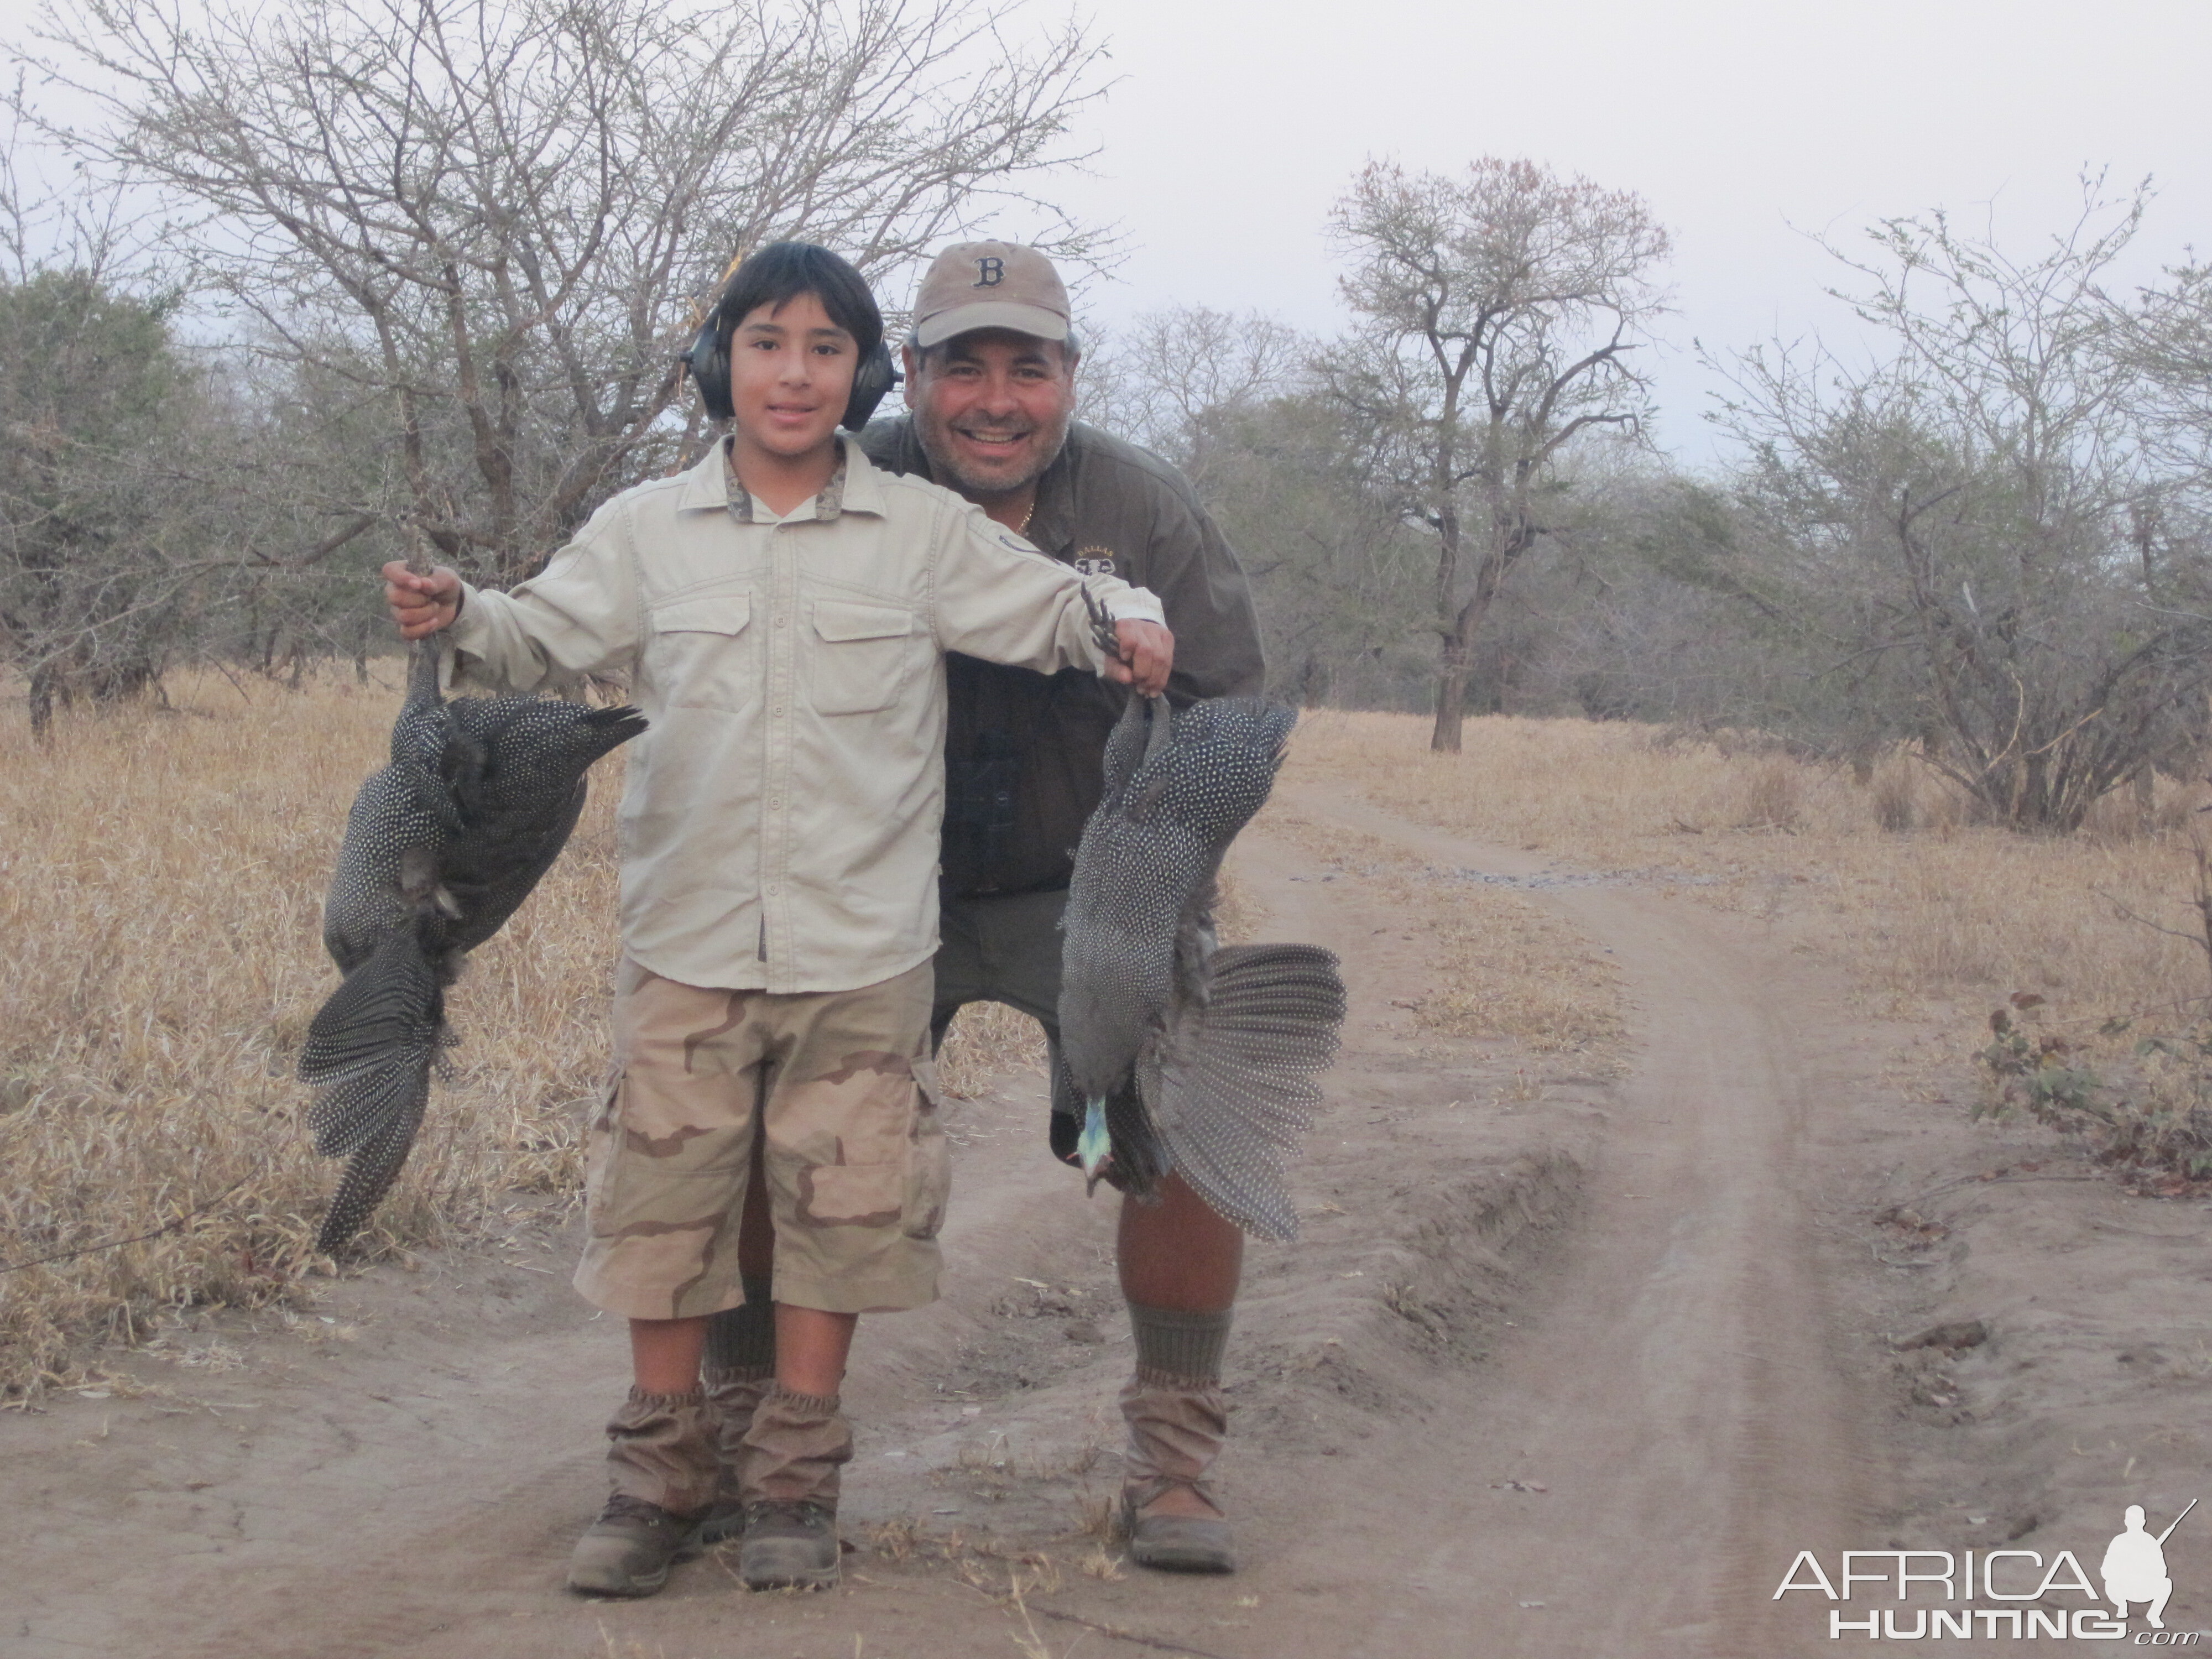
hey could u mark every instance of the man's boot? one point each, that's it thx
(1177, 1420)
(661, 1464)
(793, 1459)
(740, 1371)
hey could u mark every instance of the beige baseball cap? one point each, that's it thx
(990, 285)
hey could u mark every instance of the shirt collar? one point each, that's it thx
(854, 487)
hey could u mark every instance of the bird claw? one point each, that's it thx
(1102, 630)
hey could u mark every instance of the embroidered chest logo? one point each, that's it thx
(1093, 561)
(990, 271)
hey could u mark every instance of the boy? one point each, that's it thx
(784, 610)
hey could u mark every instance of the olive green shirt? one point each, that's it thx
(1022, 750)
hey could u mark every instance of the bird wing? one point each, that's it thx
(517, 812)
(391, 1005)
(1231, 1077)
(395, 810)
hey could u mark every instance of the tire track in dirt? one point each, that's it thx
(1680, 1394)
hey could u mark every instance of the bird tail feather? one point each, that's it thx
(370, 1049)
(374, 1165)
(1234, 1092)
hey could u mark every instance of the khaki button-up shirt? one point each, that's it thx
(779, 827)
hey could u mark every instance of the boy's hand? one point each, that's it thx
(1146, 653)
(421, 605)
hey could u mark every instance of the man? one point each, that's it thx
(990, 383)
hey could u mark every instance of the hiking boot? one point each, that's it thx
(1176, 1543)
(628, 1550)
(1169, 1512)
(660, 1462)
(793, 1462)
(789, 1545)
(733, 1397)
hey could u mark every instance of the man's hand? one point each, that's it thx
(1146, 653)
(421, 605)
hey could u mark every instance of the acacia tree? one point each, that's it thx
(479, 223)
(1495, 309)
(1980, 541)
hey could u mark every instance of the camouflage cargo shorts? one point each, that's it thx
(856, 1161)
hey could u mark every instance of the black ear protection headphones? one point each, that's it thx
(708, 361)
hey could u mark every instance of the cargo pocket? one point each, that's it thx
(649, 1173)
(863, 655)
(851, 1195)
(929, 1178)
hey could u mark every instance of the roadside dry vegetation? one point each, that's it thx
(1506, 969)
(1885, 871)
(161, 884)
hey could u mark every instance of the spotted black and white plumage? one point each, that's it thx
(441, 846)
(1191, 1058)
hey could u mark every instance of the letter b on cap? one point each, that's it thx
(990, 271)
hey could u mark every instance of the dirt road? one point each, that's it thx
(1556, 1370)
(1676, 1391)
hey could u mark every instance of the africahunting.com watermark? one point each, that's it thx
(1938, 1593)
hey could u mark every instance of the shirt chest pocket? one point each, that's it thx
(700, 653)
(863, 656)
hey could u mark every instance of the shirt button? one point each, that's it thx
(774, 889)
(777, 711)
(779, 621)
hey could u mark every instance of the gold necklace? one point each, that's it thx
(1028, 513)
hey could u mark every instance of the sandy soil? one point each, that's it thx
(1565, 1364)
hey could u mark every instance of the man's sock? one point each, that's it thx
(743, 1340)
(1172, 1343)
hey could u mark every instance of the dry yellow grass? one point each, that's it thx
(1944, 911)
(161, 889)
(1505, 968)
(988, 1039)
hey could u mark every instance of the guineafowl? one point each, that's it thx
(441, 846)
(1187, 1056)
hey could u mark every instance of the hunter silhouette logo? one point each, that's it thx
(1095, 562)
(2134, 1569)
(2019, 1586)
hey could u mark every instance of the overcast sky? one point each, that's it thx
(1750, 125)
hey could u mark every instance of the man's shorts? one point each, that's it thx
(1000, 949)
(856, 1161)
(1008, 950)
